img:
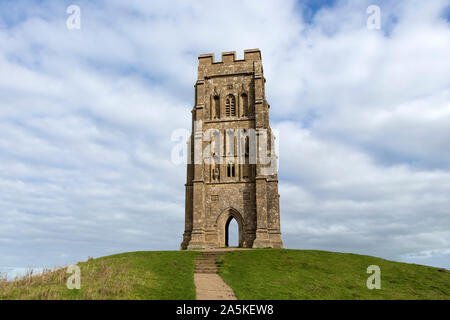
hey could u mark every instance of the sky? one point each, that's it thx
(87, 117)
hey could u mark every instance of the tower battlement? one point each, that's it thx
(230, 57)
(251, 64)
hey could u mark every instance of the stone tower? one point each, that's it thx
(232, 166)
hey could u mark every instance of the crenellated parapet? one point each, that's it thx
(230, 57)
(208, 67)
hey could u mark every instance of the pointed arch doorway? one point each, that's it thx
(223, 225)
(231, 233)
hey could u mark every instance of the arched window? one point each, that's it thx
(244, 104)
(230, 142)
(230, 106)
(231, 171)
(246, 146)
(216, 107)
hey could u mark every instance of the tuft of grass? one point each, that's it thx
(285, 274)
(150, 275)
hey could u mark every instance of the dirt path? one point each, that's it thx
(209, 286)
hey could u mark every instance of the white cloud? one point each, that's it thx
(86, 119)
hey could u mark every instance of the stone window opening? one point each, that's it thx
(216, 107)
(231, 170)
(230, 106)
(230, 143)
(244, 104)
(246, 147)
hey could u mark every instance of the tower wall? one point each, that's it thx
(225, 184)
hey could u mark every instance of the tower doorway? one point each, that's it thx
(230, 228)
(231, 233)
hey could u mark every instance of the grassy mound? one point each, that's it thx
(134, 275)
(252, 274)
(303, 274)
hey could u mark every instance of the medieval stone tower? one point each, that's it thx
(230, 171)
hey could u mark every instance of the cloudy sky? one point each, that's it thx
(86, 119)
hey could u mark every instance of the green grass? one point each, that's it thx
(252, 274)
(135, 275)
(305, 274)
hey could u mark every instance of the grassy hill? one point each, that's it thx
(307, 274)
(252, 274)
(151, 275)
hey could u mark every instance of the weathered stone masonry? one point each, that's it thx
(230, 95)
